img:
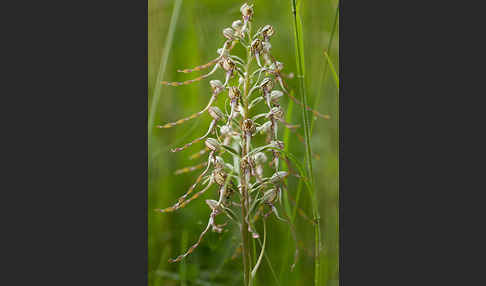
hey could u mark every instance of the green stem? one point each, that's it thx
(335, 77)
(300, 65)
(324, 72)
(163, 64)
(288, 118)
(245, 235)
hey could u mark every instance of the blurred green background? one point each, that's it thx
(196, 37)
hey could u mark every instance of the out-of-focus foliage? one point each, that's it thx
(196, 37)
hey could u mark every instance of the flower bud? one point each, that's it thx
(267, 84)
(248, 126)
(234, 93)
(278, 176)
(215, 112)
(225, 130)
(275, 95)
(270, 195)
(247, 11)
(212, 144)
(267, 32)
(227, 64)
(256, 46)
(216, 85)
(228, 33)
(220, 176)
(260, 158)
(237, 25)
(277, 112)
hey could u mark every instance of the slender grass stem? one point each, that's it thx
(334, 74)
(323, 79)
(163, 64)
(297, 200)
(285, 195)
(299, 45)
(324, 72)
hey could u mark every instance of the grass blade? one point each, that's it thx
(163, 64)
(324, 72)
(336, 79)
(299, 44)
(288, 118)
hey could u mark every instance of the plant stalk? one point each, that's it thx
(300, 65)
(245, 235)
